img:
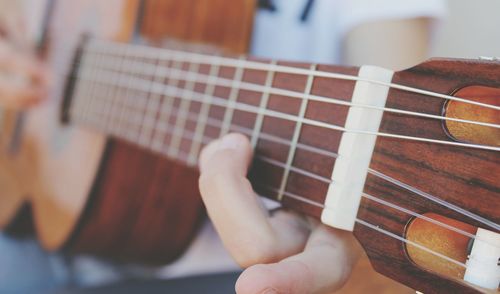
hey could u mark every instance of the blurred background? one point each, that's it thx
(471, 29)
(468, 29)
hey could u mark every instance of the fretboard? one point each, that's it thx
(175, 101)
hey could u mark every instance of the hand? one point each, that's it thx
(23, 79)
(282, 253)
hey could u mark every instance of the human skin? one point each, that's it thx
(286, 252)
(23, 78)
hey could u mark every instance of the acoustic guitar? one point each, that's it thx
(408, 161)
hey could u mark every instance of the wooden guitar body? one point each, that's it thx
(434, 167)
(56, 164)
(92, 194)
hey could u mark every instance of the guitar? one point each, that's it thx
(408, 161)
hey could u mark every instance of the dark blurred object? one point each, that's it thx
(307, 10)
(218, 283)
(267, 5)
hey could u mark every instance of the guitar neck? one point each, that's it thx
(356, 147)
(174, 101)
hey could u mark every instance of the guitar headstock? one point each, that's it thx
(429, 214)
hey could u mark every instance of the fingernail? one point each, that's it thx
(269, 291)
(231, 141)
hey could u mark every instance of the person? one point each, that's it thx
(23, 78)
(284, 252)
(24, 84)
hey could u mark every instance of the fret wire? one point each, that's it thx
(204, 113)
(137, 105)
(118, 98)
(165, 109)
(263, 105)
(312, 122)
(126, 117)
(227, 61)
(134, 107)
(474, 217)
(114, 99)
(122, 94)
(143, 104)
(118, 124)
(223, 82)
(195, 96)
(296, 134)
(205, 140)
(180, 122)
(338, 101)
(334, 155)
(103, 97)
(108, 99)
(90, 98)
(233, 95)
(151, 109)
(87, 89)
(149, 106)
(132, 111)
(247, 131)
(274, 162)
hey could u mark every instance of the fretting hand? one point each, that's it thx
(282, 253)
(23, 79)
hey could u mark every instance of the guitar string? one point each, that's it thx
(421, 193)
(393, 235)
(190, 135)
(293, 94)
(164, 53)
(316, 150)
(374, 227)
(187, 134)
(143, 85)
(146, 69)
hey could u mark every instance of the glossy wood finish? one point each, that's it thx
(414, 163)
(439, 239)
(474, 133)
(148, 206)
(56, 165)
(467, 178)
(225, 24)
(447, 172)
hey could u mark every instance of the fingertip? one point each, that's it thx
(282, 277)
(234, 141)
(255, 279)
(230, 142)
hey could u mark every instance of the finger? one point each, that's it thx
(236, 210)
(323, 267)
(19, 97)
(21, 62)
(27, 68)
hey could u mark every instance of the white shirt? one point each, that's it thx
(281, 34)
